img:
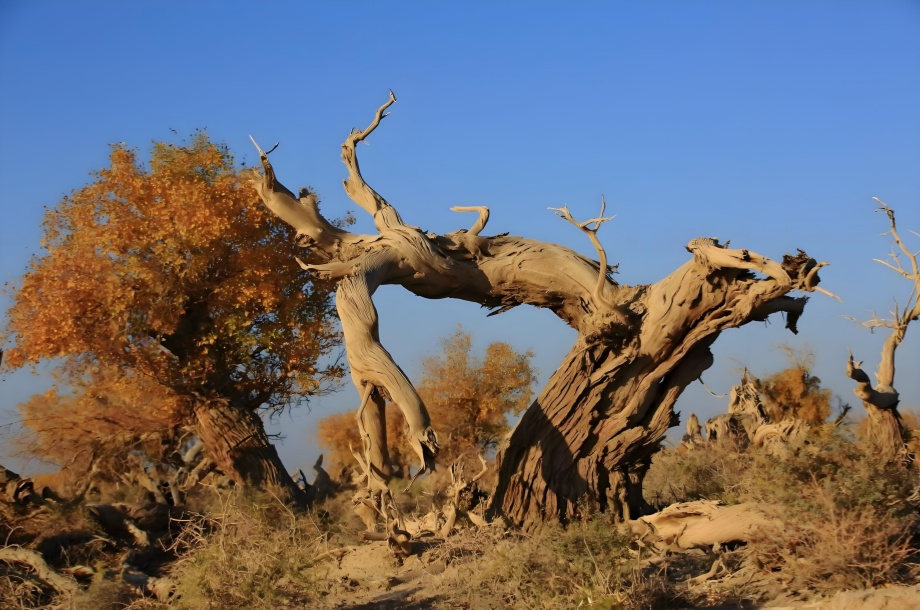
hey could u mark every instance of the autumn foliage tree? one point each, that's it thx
(109, 423)
(469, 398)
(169, 272)
(795, 393)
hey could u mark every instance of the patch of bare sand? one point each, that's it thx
(889, 598)
(370, 576)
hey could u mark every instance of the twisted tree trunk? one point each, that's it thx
(887, 435)
(591, 432)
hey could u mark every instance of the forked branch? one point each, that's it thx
(914, 273)
(355, 185)
(902, 316)
(591, 232)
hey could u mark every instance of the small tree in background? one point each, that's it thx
(172, 274)
(469, 398)
(886, 431)
(794, 393)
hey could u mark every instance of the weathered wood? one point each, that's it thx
(886, 433)
(701, 525)
(33, 560)
(593, 429)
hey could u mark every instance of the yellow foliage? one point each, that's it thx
(108, 416)
(468, 399)
(176, 274)
(794, 393)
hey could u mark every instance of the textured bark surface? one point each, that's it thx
(701, 525)
(238, 446)
(591, 432)
(886, 433)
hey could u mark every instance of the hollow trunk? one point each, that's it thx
(236, 441)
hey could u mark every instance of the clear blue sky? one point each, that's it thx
(772, 124)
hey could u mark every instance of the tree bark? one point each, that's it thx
(238, 445)
(886, 433)
(591, 432)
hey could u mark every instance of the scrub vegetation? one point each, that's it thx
(179, 311)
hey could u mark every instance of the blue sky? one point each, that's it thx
(772, 124)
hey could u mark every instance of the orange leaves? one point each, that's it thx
(794, 393)
(104, 419)
(175, 272)
(468, 399)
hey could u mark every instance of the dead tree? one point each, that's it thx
(886, 433)
(745, 414)
(593, 429)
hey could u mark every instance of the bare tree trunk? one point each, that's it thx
(236, 441)
(591, 432)
(886, 434)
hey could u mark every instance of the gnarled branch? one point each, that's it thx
(356, 187)
(563, 212)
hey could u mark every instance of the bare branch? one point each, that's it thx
(897, 269)
(591, 232)
(485, 469)
(883, 207)
(261, 152)
(483, 216)
(810, 283)
(887, 398)
(355, 186)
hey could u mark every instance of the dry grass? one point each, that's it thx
(711, 474)
(589, 564)
(847, 520)
(252, 552)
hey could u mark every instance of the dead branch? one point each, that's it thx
(887, 399)
(355, 186)
(700, 524)
(480, 223)
(591, 232)
(34, 561)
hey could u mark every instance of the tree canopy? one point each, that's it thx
(794, 392)
(171, 273)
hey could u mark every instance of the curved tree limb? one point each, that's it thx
(591, 232)
(603, 413)
(385, 216)
(372, 365)
(480, 222)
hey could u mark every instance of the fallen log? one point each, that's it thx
(42, 570)
(700, 524)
